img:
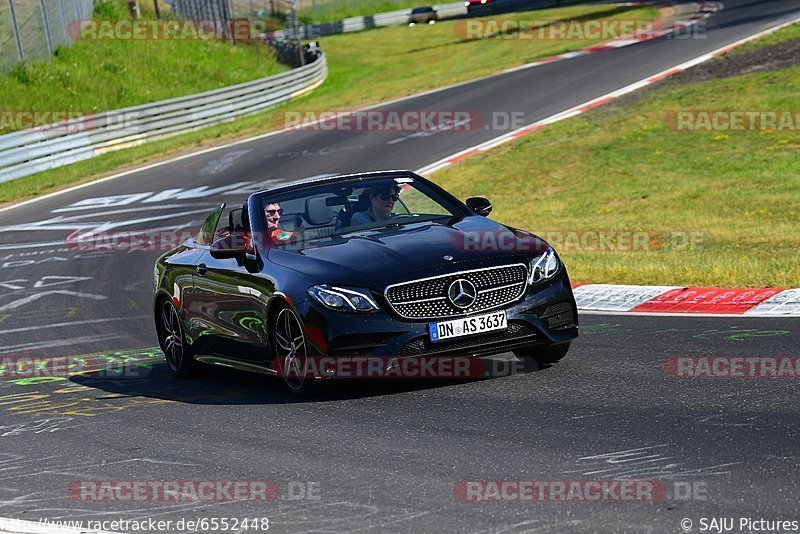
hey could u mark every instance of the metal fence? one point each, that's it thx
(227, 9)
(32, 29)
(55, 145)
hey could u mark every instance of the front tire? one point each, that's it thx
(291, 352)
(543, 354)
(173, 342)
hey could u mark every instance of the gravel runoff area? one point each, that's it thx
(767, 58)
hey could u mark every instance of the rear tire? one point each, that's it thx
(291, 352)
(173, 341)
(543, 354)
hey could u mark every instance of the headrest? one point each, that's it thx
(317, 211)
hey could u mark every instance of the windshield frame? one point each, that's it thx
(456, 208)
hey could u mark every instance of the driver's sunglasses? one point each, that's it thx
(388, 196)
(273, 212)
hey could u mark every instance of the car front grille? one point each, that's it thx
(427, 298)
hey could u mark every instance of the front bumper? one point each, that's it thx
(546, 316)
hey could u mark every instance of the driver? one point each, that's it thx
(382, 199)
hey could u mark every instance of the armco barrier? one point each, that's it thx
(30, 151)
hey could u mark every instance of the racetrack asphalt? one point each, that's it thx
(382, 456)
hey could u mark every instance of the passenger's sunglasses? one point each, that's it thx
(388, 196)
(273, 212)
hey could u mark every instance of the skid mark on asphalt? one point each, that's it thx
(223, 163)
(643, 462)
(732, 333)
(321, 152)
(53, 424)
(725, 420)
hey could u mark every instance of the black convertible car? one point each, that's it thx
(382, 265)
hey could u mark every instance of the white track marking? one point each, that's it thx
(74, 323)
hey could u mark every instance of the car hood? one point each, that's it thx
(379, 258)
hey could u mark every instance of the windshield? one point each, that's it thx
(351, 208)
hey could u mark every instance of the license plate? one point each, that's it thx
(468, 326)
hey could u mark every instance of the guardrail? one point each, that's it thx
(30, 151)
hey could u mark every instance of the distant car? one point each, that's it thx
(494, 7)
(478, 6)
(434, 279)
(422, 15)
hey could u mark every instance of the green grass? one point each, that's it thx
(333, 10)
(621, 168)
(401, 61)
(94, 76)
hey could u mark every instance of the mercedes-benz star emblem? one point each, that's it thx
(462, 293)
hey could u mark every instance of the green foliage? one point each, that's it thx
(111, 9)
(100, 75)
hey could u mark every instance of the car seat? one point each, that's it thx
(346, 214)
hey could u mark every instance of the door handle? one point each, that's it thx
(202, 269)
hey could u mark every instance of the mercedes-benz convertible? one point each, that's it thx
(382, 265)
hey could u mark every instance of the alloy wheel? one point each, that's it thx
(291, 349)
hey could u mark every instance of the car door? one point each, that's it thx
(231, 304)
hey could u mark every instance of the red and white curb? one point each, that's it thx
(599, 101)
(692, 14)
(681, 301)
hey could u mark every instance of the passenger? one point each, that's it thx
(273, 213)
(382, 201)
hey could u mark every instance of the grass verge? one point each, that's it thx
(365, 68)
(94, 76)
(719, 207)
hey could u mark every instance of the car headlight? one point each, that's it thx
(543, 267)
(340, 299)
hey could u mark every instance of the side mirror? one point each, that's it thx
(231, 246)
(480, 205)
